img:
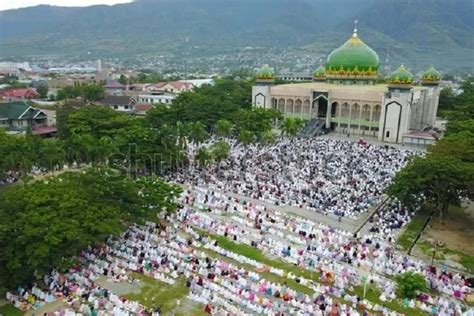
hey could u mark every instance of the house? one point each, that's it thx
(113, 87)
(19, 94)
(161, 92)
(119, 103)
(18, 116)
(142, 108)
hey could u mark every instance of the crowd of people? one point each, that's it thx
(332, 265)
(183, 247)
(12, 176)
(324, 175)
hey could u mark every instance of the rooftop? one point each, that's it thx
(322, 86)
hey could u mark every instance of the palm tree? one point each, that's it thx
(267, 138)
(245, 137)
(52, 154)
(198, 133)
(203, 156)
(291, 126)
(182, 131)
(220, 150)
(223, 128)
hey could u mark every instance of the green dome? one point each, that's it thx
(353, 59)
(319, 73)
(401, 76)
(265, 72)
(431, 75)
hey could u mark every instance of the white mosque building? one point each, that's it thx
(345, 97)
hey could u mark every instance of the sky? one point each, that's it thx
(14, 4)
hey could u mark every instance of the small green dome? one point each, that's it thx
(265, 72)
(400, 76)
(319, 73)
(431, 75)
(353, 59)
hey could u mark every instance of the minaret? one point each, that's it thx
(261, 91)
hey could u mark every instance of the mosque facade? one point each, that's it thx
(345, 97)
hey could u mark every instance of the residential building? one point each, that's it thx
(18, 116)
(119, 103)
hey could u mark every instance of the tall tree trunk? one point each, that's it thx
(443, 211)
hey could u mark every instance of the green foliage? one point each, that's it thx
(267, 138)
(87, 92)
(220, 150)
(441, 179)
(206, 104)
(256, 254)
(154, 293)
(292, 126)
(246, 137)
(10, 310)
(412, 229)
(257, 120)
(223, 128)
(203, 156)
(459, 125)
(43, 91)
(197, 132)
(22, 153)
(459, 145)
(461, 115)
(13, 82)
(46, 222)
(409, 284)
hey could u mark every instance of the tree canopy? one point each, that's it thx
(48, 221)
(409, 284)
(87, 92)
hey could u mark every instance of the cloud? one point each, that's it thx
(14, 4)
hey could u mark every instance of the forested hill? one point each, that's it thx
(418, 30)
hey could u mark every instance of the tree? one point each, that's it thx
(206, 104)
(203, 157)
(459, 145)
(92, 92)
(197, 132)
(458, 125)
(246, 137)
(442, 180)
(447, 99)
(220, 150)
(87, 92)
(223, 128)
(45, 223)
(291, 126)
(409, 284)
(256, 120)
(267, 138)
(42, 91)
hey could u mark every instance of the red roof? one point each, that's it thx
(176, 84)
(21, 93)
(113, 84)
(143, 107)
(44, 130)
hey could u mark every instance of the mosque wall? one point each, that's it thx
(395, 119)
(261, 96)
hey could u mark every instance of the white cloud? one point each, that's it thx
(13, 4)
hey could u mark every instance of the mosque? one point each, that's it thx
(345, 97)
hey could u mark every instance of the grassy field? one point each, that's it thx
(10, 310)
(155, 293)
(456, 221)
(255, 254)
(409, 234)
(372, 295)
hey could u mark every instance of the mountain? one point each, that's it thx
(418, 32)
